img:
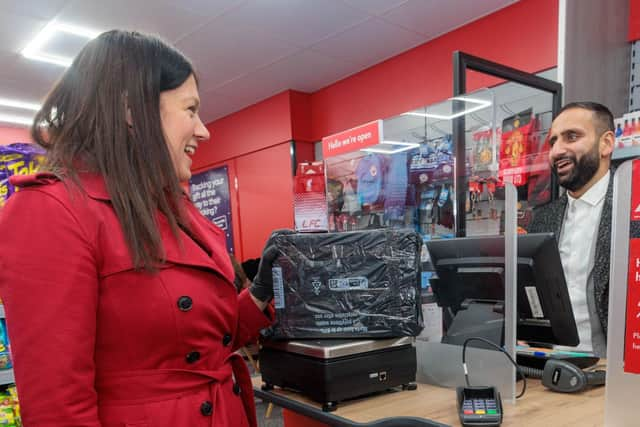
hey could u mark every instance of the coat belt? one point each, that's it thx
(145, 385)
(154, 385)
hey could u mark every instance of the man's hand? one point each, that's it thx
(262, 286)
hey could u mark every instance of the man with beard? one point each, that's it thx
(582, 140)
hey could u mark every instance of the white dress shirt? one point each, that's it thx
(577, 251)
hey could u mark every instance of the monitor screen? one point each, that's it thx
(470, 288)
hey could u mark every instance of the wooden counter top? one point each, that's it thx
(538, 407)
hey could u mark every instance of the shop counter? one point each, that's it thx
(429, 405)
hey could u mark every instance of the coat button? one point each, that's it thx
(193, 357)
(206, 408)
(226, 339)
(185, 303)
(236, 389)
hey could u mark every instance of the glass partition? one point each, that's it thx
(411, 179)
(421, 177)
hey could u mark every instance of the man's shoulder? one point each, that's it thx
(546, 217)
(552, 206)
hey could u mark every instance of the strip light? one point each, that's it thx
(21, 120)
(404, 146)
(34, 49)
(19, 104)
(480, 104)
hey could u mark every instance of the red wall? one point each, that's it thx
(634, 20)
(261, 125)
(9, 135)
(261, 203)
(523, 36)
(265, 199)
(255, 144)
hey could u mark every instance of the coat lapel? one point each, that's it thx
(203, 248)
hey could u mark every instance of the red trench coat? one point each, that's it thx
(96, 343)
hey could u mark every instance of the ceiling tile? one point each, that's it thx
(17, 30)
(249, 89)
(375, 7)
(213, 106)
(17, 90)
(166, 20)
(221, 51)
(41, 9)
(302, 22)
(368, 43)
(245, 50)
(434, 17)
(305, 71)
(208, 8)
(65, 44)
(30, 74)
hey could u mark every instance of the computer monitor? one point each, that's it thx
(470, 288)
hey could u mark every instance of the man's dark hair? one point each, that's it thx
(83, 125)
(601, 114)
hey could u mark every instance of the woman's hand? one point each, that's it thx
(262, 287)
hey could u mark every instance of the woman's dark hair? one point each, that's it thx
(240, 277)
(103, 116)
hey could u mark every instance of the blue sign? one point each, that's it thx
(210, 194)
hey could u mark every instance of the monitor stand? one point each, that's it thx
(477, 318)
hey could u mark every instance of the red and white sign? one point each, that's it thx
(635, 192)
(632, 329)
(310, 198)
(632, 338)
(353, 139)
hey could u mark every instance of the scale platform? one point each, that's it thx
(329, 371)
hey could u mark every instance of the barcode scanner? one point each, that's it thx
(565, 377)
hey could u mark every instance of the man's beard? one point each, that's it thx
(583, 170)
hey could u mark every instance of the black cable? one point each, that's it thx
(530, 372)
(486, 341)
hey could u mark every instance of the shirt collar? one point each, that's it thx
(596, 193)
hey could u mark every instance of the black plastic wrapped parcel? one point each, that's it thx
(348, 285)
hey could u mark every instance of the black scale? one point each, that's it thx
(329, 371)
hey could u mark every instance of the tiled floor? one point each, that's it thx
(275, 420)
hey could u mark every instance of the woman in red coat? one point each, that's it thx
(119, 294)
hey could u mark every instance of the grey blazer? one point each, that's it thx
(549, 217)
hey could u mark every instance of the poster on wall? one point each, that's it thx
(210, 193)
(632, 327)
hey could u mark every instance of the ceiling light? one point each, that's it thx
(404, 146)
(21, 120)
(34, 49)
(12, 103)
(480, 104)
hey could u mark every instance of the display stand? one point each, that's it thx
(6, 375)
(441, 364)
(623, 338)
